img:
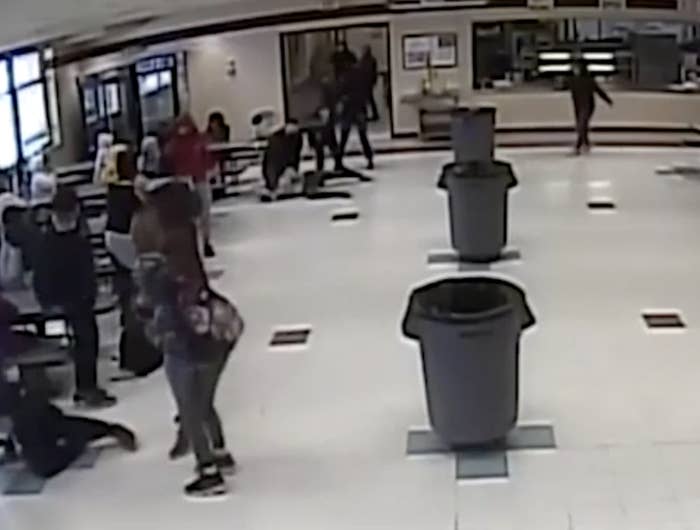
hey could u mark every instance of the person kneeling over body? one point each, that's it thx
(281, 162)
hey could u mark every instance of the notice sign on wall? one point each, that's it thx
(438, 50)
(540, 4)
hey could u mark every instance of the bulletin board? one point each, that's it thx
(439, 48)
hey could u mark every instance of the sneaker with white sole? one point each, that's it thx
(209, 483)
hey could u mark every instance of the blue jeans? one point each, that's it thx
(194, 388)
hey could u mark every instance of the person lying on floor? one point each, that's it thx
(49, 440)
(281, 169)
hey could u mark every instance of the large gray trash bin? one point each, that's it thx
(472, 131)
(469, 332)
(478, 207)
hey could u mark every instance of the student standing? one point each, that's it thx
(584, 88)
(182, 316)
(64, 276)
(369, 74)
(187, 155)
(354, 114)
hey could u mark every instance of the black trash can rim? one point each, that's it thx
(516, 300)
(478, 170)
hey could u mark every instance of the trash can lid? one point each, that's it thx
(478, 169)
(465, 300)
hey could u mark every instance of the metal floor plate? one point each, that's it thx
(482, 464)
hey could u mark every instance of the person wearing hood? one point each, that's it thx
(14, 249)
(584, 89)
(64, 277)
(43, 182)
(149, 161)
(105, 141)
(187, 155)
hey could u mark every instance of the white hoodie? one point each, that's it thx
(11, 265)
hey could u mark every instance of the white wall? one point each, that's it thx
(406, 82)
(257, 83)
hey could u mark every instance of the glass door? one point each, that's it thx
(157, 89)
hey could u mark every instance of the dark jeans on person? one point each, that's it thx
(583, 123)
(194, 388)
(347, 121)
(85, 348)
(373, 110)
(319, 139)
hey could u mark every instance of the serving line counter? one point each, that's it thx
(533, 111)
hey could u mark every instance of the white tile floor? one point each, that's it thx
(320, 432)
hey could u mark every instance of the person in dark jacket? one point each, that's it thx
(64, 277)
(354, 113)
(49, 440)
(282, 155)
(321, 127)
(136, 355)
(369, 74)
(343, 61)
(584, 88)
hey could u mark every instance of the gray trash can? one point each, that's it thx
(472, 131)
(478, 207)
(469, 332)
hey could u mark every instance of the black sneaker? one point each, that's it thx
(94, 399)
(210, 483)
(209, 250)
(370, 165)
(125, 438)
(226, 463)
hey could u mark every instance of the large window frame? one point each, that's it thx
(26, 87)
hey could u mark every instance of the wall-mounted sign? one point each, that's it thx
(540, 4)
(612, 4)
(439, 50)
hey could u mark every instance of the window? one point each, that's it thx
(8, 140)
(148, 84)
(26, 69)
(33, 123)
(629, 55)
(113, 99)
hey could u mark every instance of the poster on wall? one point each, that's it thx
(440, 50)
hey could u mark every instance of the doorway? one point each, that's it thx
(307, 58)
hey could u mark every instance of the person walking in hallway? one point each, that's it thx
(354, 114)
(584, 88)
(369, 75)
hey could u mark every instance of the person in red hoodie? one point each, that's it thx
(186, 155)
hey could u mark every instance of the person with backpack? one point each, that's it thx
(195, 328)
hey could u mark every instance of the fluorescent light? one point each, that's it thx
(555, 56)
(544, 68)
(601, 68)
(598, 56)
